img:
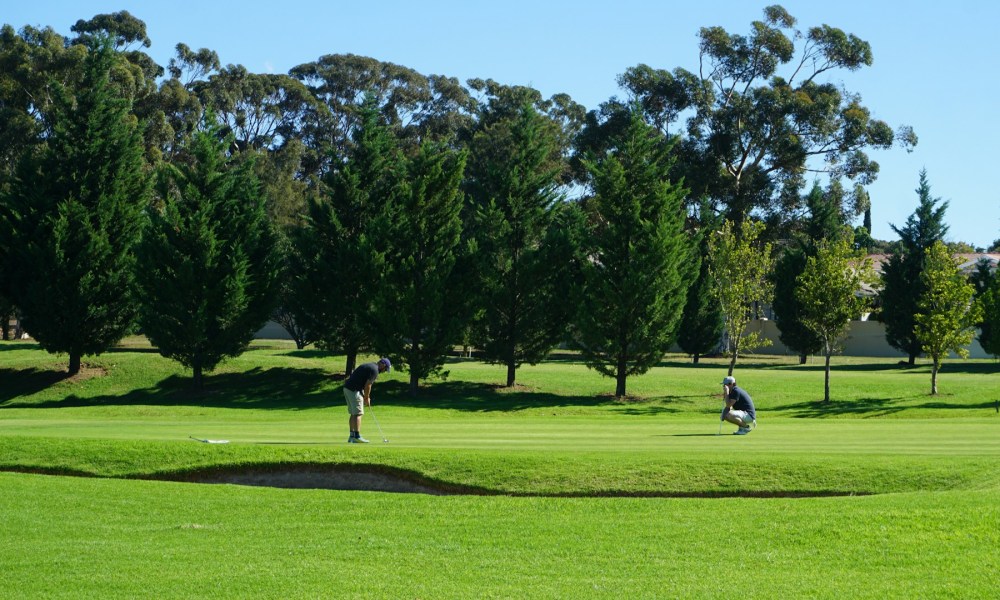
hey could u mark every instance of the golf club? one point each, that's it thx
(385, 440)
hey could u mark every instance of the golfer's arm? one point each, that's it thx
(368, 394)
(729, 406)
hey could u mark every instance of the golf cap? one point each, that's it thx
(385, 361)
(729, 380)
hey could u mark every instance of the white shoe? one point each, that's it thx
(742, 431)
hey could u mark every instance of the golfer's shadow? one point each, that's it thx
(688, 435)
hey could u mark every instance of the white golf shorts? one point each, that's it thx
(742, 415)
(355, 402)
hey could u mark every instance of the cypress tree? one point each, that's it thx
(903, 286)
(639, 264)
(702, 323)
(421, 308)
(208, 265)
(74, 211)
(339, 253)
(513, 182)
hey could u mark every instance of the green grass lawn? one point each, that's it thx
(566, 492)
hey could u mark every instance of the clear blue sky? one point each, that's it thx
(935, 65)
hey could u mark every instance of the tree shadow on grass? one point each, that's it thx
(275, 388)
(285, 388)
(477, 397)
(974, 368)
(485, 397)
(26, 382)
(818, 409)
(872, 407)
(14, 345)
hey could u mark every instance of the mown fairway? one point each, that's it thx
(886, 492)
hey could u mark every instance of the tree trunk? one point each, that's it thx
(696, 358)
(74, 362)
(352, 362)
(826, 382)
(803, 358)
(621, 377)
(197, 378)
(511, 372)
(414, 384)
(934, 371)
(912, 360)
(732, 363)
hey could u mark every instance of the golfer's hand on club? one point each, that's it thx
(368, 401)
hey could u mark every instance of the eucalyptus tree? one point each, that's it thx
(947, 312)
(765, 108)
(564, 117)
(264, 112)
(127, 34)
(34, 63)
(639, 256)
(903, 286)
(74, 211)
(208, 265)
(174, 112)
(136, 75)
(414, 106)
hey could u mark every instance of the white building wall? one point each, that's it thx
(864, 338)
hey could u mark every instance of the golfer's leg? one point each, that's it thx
(731, 418)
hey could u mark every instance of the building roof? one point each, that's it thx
(968, 265)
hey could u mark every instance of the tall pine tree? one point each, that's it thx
(637, 277)
(903, 287)
(702, 325)
(75, 212)
(208, 264)
(421, 308)
(513, 182)
(339, 253)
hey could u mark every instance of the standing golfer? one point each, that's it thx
(358, 393)
(739, 407)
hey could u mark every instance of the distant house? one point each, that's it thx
(867, 338)
(968, 266)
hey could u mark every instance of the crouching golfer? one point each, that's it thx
(358, 393)
(739, 407)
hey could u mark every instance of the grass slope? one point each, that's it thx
(555, 447)
(80, 538)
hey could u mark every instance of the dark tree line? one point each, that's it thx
(371, 208)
